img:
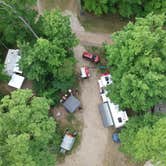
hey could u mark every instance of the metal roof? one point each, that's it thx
(105, 114)
(16, 81)
(71, 104)
(11, 62)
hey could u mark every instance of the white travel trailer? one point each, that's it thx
(111, 114)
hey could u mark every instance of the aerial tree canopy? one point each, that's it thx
(27, 134)
(11, 13)
(138, 64)
(56, 27)
(49, 62)
(96, 6)
(144, 138)
(126, 8)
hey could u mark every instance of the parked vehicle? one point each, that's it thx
(68, 141)
(110, 112)
(105, 80)
(84, 72)
(115, 137)
(91, 57)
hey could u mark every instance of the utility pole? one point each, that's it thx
(4, 45)
(20, 17)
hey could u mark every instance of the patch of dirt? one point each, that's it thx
(60, 114)
(5, 89)
(27, 84)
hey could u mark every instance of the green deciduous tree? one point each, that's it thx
(137, 59)
(126, 8)
(50, 62)
(26, 131)
(11, 13)
(56, 27)
(144, 138)
(96, 6)
(3, 76)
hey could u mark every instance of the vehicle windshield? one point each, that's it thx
(106, 78)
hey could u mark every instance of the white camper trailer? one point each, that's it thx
(114, 114)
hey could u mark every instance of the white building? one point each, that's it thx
(12, 68)
(16, 81)
(11, 62)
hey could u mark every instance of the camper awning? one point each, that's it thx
(71, 104)
(105, 114)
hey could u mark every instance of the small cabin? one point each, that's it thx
(12, 68)
(11, 62)
(71, 104)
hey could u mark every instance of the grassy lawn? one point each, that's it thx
(103, 24)
(73, 124)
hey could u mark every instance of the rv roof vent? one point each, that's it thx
(120, 120)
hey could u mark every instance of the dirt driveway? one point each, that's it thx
(94, 136)
(96, 148)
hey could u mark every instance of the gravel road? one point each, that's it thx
(94, 136)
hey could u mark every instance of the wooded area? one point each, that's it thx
(136, 62)
(27, 134)
(126, 8)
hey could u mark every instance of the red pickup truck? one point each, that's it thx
(91, 57)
